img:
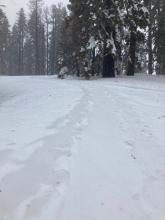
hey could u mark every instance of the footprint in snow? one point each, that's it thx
(163, 116)
(129, 145)
(136, 196)
(133, 156)
(11, 144)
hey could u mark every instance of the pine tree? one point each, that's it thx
(136, 19)
(96, 26)
(18, 37)
(4, 43)
(161, 37)
(36, 37)
(58, 14)
(77, 32)
(150, 36)
(14, 51)
(47, 35)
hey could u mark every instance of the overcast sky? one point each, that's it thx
(12, 6)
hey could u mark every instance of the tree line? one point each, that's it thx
(90, 38)
(32, 46)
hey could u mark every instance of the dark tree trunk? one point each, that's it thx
(150, 51)
(162, 66)
(19, 60)
(159, 53)
(150, 57)
(108, 66)
(93, 62)
(77, 69)
(131, 55)
(53, 48)
(36, 41)
(22, 54)
(47, 48)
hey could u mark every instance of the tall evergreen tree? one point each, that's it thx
(4, 43)
(136, 20)
(18, 38)
(96, 24)
(58, 14)
(47, 36)
(161, 37)
(36, 37)
(151, 11)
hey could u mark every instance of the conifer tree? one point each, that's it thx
(96, 24)
(4, 43)
(18, 37)
(136, 20)
(161, 37)
(47, 36)
(36, 37)
(58, 14)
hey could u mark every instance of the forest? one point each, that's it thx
(87, 38)
(82, 110)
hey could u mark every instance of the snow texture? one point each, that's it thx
(82, 150)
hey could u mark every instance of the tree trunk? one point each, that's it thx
(150, 51)
(132, 55)
(93, 62)
(162, 66)
(36, 41)
(108, 66)
(22, 53)
(47, 48)
(158, 72)
(77, 69)
(19, 60)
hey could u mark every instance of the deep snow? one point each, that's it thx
(82, 150)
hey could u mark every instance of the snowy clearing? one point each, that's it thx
(82, 150)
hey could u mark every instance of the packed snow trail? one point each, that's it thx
(79, 150)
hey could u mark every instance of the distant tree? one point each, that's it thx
(156, 36)
(18, 38)
(47, 37)
(4, 43)
(136, 20)
(58, 14)
(160, 36)
(36, 38)
(150, 40)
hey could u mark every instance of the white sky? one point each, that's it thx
(12, 6)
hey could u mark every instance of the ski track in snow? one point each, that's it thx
(82, 150)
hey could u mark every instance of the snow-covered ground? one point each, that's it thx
(82, 150)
